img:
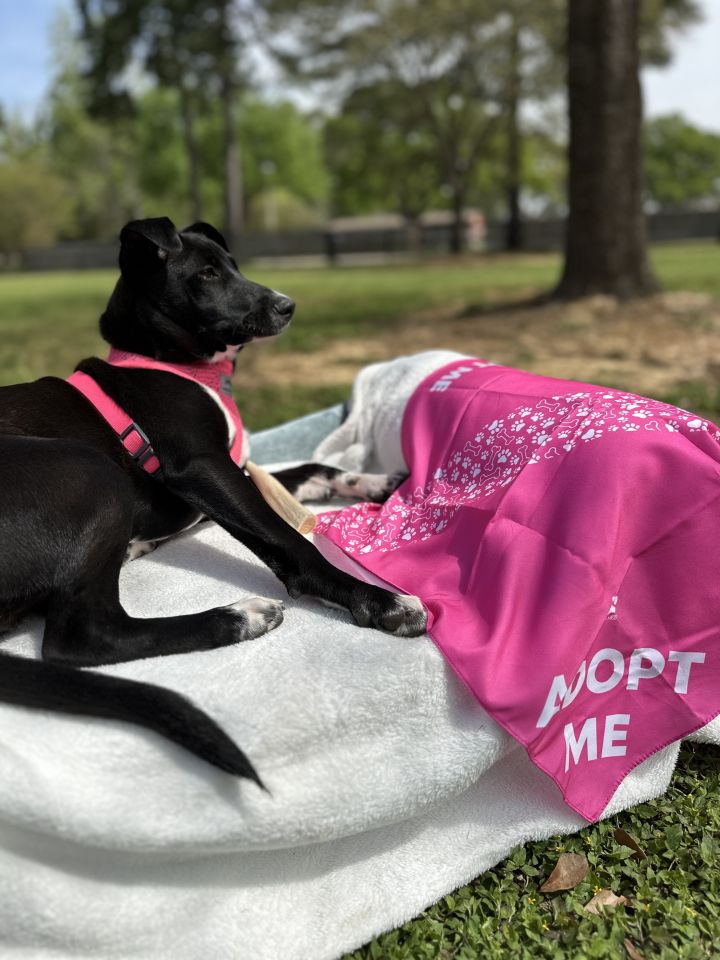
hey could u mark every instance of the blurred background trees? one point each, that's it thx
(276, 114)
(443, 82)
(682, 163)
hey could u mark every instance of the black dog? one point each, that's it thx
(74, 498)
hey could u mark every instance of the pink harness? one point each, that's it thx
(214, 376)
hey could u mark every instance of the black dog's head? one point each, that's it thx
(181, 296)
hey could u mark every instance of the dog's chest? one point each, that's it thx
(231, 426)
(214, 378)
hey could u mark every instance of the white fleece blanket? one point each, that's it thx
(389, 787)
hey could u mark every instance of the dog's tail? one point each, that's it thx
(63, 689)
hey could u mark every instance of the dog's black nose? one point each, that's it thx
(284, 307)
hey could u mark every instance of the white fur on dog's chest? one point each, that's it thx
(230, 424)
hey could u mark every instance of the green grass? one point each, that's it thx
(354, 302)
(49, 321)
(57, 313)
(674, 894)
(689, 266)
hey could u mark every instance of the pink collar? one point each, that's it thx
(214, 377)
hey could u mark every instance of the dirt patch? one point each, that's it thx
(649, 346)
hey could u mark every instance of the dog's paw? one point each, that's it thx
(400, 614)
(375, 487)
(408, 619)
(256, 616)
(139, 548)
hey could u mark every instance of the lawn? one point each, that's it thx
(347, 317)
(49, 321)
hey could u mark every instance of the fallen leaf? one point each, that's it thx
(606, 898)
(632, 950)
(627, 840)
(570, 870)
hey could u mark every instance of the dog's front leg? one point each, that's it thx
(223, 492)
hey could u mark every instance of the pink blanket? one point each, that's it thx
(565, 539)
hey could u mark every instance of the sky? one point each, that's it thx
(690, 85)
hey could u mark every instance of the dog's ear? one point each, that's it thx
(208, 231)
(146, 244)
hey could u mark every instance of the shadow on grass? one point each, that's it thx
(499, 307)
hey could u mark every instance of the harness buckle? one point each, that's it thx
(144, 451)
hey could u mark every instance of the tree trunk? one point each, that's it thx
(193, 155)
(513, 229)
(605, 244)
(233, 171)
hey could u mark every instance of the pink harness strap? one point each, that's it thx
(132, 436)
(215, 377)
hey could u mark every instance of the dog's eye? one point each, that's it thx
(208, 273)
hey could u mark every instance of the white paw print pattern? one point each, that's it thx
(495, 457)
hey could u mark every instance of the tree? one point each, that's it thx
(384, 153)
(533, 71)
(529, 72)
(378, 159)
(163, 162)
(25, 222)
(189, 46)
(410, 148)
(605, 246)
(682, 163)
(19, 140)
(283, 151)
(660, 22)
(434, 66)
(95, 159)
(514, 46)
(486, 59)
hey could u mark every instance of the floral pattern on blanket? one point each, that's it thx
(496, 456)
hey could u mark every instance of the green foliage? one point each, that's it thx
(35, 206)
(381, 154)
(278, 209)
(19, 140)
(423, 87)
(283, 148)
(544, 171)
(185, 45)
(95, 160)
(162, 162)
(119, 167)
(415, 78)
(682, 163)
(660, 22)
(188, 46)
(97, 166)
(282, 159)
